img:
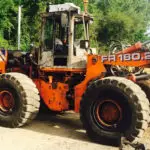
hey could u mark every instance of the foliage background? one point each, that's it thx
(124, 20)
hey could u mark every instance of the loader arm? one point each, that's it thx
(137, 55)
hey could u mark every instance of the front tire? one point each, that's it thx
(113, 107)
(19, 100)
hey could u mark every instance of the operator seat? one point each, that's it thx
(59, 48)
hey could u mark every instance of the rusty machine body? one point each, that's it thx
(67, 76)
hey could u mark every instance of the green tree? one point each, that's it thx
(114, 19)
(122, 20)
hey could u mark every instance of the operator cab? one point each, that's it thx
(65, 37)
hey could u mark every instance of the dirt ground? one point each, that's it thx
(61, 132)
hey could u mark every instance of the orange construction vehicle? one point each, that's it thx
(65, 75)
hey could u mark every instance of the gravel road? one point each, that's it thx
(61, 132)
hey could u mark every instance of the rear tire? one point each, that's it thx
(114, 107)
(25, 99)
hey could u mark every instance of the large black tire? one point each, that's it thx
(131, 104)
(25, 96)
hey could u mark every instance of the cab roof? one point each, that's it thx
(67, 7)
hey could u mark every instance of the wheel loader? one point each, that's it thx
(65, 75)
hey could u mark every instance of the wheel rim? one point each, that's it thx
(6, 101)
(108, 114)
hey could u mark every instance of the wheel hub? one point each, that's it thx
(108, 113)
(6, 101)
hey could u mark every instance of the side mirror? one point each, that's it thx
(32, 45)
(84, 44)
(64, 20)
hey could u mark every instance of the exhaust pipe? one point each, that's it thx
(86, 2)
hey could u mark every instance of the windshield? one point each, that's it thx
(53, 32)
